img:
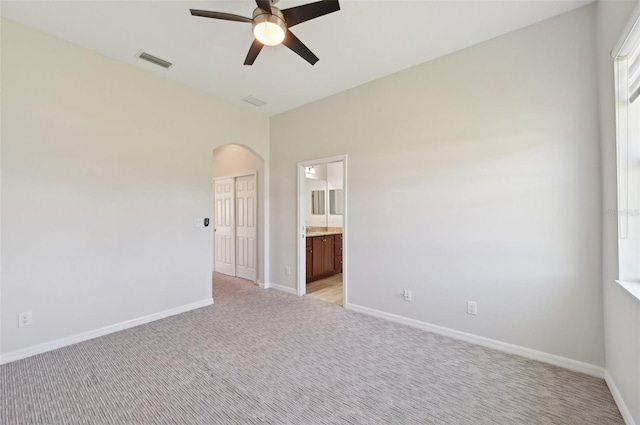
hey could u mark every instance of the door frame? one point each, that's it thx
(253, 173)
(301, 278)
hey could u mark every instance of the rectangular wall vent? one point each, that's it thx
(153, 59)
(254, 101)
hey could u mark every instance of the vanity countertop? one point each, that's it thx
(324, 233)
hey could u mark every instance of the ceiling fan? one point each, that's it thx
(271, 25)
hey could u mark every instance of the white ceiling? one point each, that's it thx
(362, 42)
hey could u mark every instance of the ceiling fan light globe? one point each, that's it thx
(269, 29)
(268, 33)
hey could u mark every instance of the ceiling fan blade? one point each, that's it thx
(264, 5)
(296, 15)
(294, 43)
(255, 48)
(219, 15)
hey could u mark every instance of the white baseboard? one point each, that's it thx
(95, 333)
(617, 397)
(282, 288)
(541, 356)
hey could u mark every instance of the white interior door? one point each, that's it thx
(246, 232)
(224, 227)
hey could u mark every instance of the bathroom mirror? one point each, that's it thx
(317, 202)
(336, 202)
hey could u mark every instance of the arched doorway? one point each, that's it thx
(238, 208)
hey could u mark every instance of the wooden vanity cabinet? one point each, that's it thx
(309, 258)
(324, 256)
(337, 250)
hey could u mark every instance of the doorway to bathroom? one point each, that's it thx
(322, 227)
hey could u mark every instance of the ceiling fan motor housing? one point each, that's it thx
(269, 28)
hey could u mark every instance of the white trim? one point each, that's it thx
(266, 251)
(235, 176)
(541, 356)
(632, 288)
(326, 160)
(255, 215)
(345, 235)
(281, 288)
(629, 36)
(301, 233)
(95, 333)
(617, 397)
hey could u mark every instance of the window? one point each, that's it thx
(627, 91)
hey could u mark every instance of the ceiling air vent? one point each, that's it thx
(254, 101)
(153, 59)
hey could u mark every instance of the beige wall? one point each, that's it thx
(104, 169)
(471, 177)
(621, 310)
(235, 160)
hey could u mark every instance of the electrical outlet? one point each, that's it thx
(25, 319)
(407, 295)
(287, 270)
(472, 307)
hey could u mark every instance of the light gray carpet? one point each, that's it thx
(264, 357)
